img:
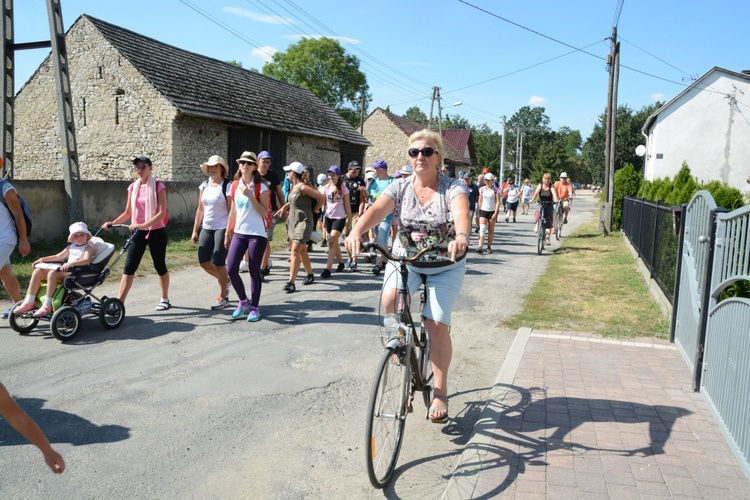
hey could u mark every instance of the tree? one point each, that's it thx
(323, 67)
(628, 137)
(235, 63)
(534, 124)
(416, 115)
(455, 122)
(487, 146)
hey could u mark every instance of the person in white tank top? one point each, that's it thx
(78, 253)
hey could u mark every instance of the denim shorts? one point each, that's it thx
(443, 287)
(5, 251)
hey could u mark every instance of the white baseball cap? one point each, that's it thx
(296, 167)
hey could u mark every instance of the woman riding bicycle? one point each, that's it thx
(431, 208)
(547, 196)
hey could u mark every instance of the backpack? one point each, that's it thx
(27, 215)
(268, 219)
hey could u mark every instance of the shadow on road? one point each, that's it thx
(61, 427)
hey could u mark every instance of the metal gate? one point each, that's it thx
(725, 377)
(693, 276)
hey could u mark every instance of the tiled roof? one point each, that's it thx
(201, 86)
(458, 138)
(408, 127)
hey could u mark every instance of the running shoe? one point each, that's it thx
(254, 314)
(243, 266)
(340, 267)
(243, 308)
(221, 303)
(325, 274)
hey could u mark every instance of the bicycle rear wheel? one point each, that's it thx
(386, 416)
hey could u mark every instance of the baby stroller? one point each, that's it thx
(74, 297)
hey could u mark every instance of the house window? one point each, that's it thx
(659, 156)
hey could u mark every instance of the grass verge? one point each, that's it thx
(592, 285)
(181, 253)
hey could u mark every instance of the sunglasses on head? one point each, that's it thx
(426, 152)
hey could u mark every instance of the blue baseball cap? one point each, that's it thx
(379, 164)
(264, 154)
(334, 169)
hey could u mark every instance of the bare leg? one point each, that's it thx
(221, 271)
(305, 257)
(441, 353)
(296, 259)
(164, 285)
(10, 282)
(125, 283)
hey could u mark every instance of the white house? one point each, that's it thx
(707, 126)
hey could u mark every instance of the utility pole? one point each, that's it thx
(605, 220)
(519, 140)
(502, 152)
(435, 93)
(59, 58)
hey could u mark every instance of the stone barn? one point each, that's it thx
(134, 95)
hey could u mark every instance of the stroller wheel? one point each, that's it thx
(111, 313)
(23, 323)
(65, 323)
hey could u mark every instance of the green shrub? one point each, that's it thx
(627, 183)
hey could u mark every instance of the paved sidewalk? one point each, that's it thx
(573, 415)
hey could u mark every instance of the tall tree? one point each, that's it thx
(628, 137)
(487, 146)
(534, 124)
(416, 115)
(455, 122)
(323, 67)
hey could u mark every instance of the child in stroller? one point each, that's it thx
(55, 268)
(70, 285)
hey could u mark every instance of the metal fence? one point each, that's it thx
(653, 229)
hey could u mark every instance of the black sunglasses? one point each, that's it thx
(243, 162)
(426, 152)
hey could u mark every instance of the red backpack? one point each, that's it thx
(268, 219)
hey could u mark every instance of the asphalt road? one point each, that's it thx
(188, 404)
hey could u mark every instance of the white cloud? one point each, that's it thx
(317, 37)
(261, 18)
(266, 53)
(537, 101)
(657, 97)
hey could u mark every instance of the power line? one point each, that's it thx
(224, 26)
(652, 55)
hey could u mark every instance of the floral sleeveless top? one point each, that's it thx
(419, 224)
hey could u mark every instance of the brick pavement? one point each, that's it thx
(573, 415)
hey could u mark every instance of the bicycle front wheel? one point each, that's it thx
(386, 416)
(558, 225)
(540, 240)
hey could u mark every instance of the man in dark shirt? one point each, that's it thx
(273, 181)
(473, 196)
(357, 193)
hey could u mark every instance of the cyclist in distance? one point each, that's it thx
(547, 196)
(564, 191)
(432, 209)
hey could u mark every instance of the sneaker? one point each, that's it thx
(480, 251)
(309, 279)
(353, 267)
(289, 287)
(340, 267)
(254, 314)
(376, 270)
(243, 266)
(8, 312)
(325, 274)
(506, 218)
(489, 250)
(514, 219)
(324, 243)
(265, 271)
(242, 309)
(221, 303)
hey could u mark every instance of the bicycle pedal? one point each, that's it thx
(410, 408)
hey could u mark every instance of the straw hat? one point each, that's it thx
(215, 160)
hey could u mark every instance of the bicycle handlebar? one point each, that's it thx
(371, 245)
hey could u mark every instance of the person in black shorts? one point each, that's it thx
(357, 188)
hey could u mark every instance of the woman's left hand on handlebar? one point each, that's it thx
(458, 247)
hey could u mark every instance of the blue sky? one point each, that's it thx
(495, 60)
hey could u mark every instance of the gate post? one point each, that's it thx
(677, 211)
(710, 240)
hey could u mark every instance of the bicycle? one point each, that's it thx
(542, 234)
(404, 369)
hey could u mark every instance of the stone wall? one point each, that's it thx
(388, 142)
(102, 201)
(317, 152)
(118, 115)
(194, 141)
